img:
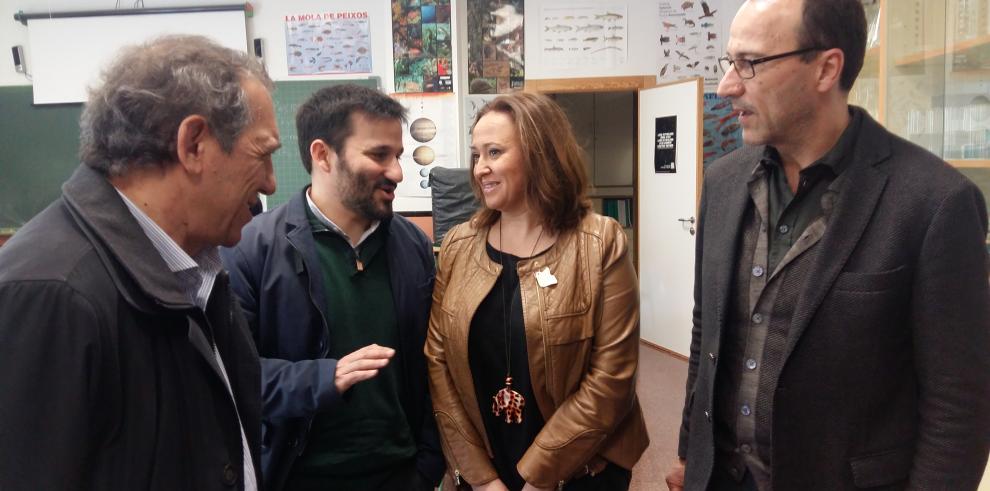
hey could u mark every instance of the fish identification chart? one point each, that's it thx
(578, 36)
(328, 42)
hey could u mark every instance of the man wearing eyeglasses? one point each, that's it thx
(842, 309)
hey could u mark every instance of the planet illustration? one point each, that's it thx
(424, 155)
(423, 130)
(424, 184)
(424, 172)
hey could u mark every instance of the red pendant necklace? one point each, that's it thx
(508, 400)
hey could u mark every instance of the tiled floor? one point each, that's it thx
(661, 394)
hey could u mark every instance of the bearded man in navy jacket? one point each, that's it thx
(337, 293)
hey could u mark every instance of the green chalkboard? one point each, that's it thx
(289, 172)
(39, 146)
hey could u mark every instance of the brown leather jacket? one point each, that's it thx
(582, 336)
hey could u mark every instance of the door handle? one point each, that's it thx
(690, 220)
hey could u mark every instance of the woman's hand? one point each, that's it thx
(530, 487)
(496, 485)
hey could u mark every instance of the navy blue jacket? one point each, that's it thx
(275, 273)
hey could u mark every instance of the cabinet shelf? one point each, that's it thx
(957, 48)
(970, 163)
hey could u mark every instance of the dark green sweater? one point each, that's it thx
(356, 443)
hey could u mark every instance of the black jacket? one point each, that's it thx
(883, 382)
(275, 272)
(107, 377)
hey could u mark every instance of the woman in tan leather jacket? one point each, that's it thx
(534, 332)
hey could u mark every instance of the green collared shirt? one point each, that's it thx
(791, 213)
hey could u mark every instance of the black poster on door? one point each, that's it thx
(665, 145)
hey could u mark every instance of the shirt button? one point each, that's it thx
(751, 364)
(745, 410)
(712, 356)
(757, 318)
(745, 448)
(784, 229)
(229, 475)
(758, 271)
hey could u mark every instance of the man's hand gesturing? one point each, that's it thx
(361, 365)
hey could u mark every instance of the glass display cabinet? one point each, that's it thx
(927, 77)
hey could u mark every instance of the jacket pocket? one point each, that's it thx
(881, 468)
(868, 282)
(568, 345)
(568, 330)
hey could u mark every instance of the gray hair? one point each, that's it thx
(133, 118)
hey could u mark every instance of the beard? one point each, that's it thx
(357, 193)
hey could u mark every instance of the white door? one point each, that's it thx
(667, 204)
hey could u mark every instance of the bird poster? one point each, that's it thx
(430, 140)
(496, 61)
(328, 42)
(421, 40)
(574, 36)
(691, 40)
(472, 104)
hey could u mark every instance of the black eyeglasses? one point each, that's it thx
(747, 68)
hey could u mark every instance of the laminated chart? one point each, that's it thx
(328, 42)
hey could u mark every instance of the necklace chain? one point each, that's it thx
(505, 310)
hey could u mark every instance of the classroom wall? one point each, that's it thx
(267, 23)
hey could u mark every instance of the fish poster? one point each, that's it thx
(721, 132)
(578, 36)
(421, 40)
(691, 41)
(328, 42)
(496, 63)
(665, 150)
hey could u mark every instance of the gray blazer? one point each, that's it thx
(886, 372)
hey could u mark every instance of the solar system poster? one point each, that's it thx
(421, 40)
(665, 151)
(430, 140)
(495, 46)
(328, 42)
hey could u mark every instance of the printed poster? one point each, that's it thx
(472, 104)
(429, 138)
(421, 39)
(328, 42)
(495, 46)
(690, 41)
(721, 131)
(665, 152)
(578, 36)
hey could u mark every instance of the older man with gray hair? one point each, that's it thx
(124, 361)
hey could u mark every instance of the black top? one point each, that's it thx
(486, 355)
